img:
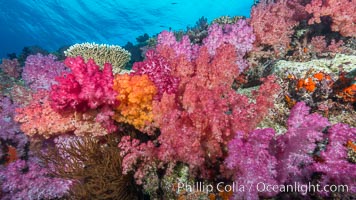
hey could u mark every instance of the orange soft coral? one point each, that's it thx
(12, 155)
(307, 83)
(310, 83)
(349, 93)
(39, 118)
(136, 93)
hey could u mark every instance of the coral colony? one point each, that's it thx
(257, 108)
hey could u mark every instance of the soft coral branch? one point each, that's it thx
(85, 87)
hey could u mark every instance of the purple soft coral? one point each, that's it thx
(40, 71)
(240, 35)
(9, 130)
(252, 163)
(294, 148)
(28, 180)
(336, 169)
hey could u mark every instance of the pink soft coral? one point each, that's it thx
(158, 70)
(40, 119)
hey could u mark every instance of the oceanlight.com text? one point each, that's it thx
(260, 187)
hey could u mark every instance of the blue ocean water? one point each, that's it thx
(54, 23)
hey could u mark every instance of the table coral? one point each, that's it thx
(101, 54)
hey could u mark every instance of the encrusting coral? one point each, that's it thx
(101, 53)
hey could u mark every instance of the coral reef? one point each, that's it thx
(268, 99)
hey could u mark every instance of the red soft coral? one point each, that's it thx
(85, 87)
(273, 24)
(342, 13)
(11, 67)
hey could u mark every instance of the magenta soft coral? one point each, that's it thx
(294, 148)
(10, 132)
(240, 35)
(252, 164)
(85, 87)
(335, 167)
(158, 70)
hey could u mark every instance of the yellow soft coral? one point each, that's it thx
(136, 93)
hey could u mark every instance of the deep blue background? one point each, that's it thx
(53, 23)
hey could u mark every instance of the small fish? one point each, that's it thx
(173, 3)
